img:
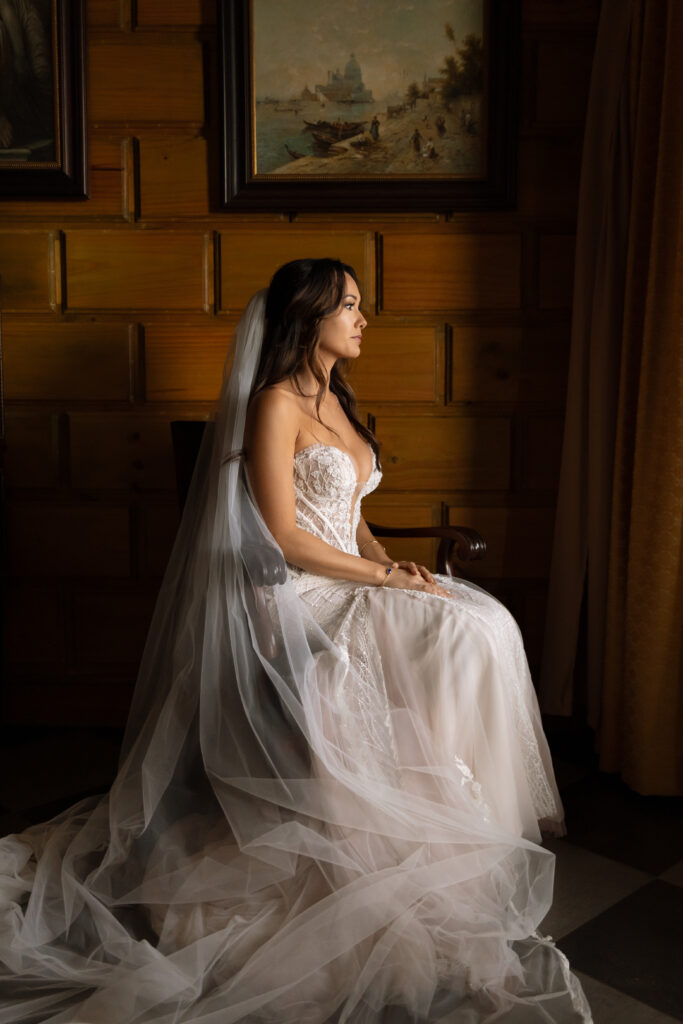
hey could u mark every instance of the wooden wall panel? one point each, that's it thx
(450, 271)
(566, 13)
(110, 160)
(398, 364)
(137, 270)
(110, 626)
(379, 508)
(174, 176)
(112, 329)
(32, 450)
(60, 361)
(158, 526)
(35, 626)
(508, 364)
(249, 258)
(556, 271)
(518, 540)
(145, 80)
(28, 270)
(107, 13)
(559, 61)
(444, 453)
(159, 13)
(127, 451)
(542, 448)
(549, 174)
(68, 540)
(185, 363)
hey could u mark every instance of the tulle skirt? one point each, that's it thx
(392, 873)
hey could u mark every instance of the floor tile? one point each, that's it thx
(608, 818)
(585, 885)
(609, 1006)
(635, 946)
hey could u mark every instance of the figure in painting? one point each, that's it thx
(26, 115)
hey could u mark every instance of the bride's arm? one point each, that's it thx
(272, 429)
(371, 548)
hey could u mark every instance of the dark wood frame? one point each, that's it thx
(69, 179)
(238, 191)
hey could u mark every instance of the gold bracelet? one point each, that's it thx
(387, 573)
(367, 545)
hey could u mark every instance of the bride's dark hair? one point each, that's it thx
(301, 294)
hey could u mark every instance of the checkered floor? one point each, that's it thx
(618, 908)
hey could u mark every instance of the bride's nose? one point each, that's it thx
(362, 322)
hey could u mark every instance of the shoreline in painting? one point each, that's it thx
(448, 140)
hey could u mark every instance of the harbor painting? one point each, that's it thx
(374, 89)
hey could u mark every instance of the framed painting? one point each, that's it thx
(368, 106)
(43, 151)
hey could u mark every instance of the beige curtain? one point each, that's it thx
(618, 530)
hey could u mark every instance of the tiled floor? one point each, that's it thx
(618, 908)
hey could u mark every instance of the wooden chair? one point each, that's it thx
(459, 542)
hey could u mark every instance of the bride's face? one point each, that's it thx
(340, 333)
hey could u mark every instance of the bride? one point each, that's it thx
(333, 777)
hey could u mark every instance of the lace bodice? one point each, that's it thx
(328, 494)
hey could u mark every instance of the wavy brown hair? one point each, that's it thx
(301, 294)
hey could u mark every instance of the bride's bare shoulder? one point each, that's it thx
(273, 408)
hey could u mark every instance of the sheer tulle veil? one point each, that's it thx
(245, 866)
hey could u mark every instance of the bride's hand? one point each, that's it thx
(416, 570)
(404, 578)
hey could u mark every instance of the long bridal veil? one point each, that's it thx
(282, 843)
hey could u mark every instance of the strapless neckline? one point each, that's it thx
(333, 447)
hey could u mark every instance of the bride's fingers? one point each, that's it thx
(426, 574)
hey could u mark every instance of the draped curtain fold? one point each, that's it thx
(619, 525)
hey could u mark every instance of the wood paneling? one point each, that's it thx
(444, 453)
(159, 526)
(249, 258)
(559, 62)
(508, 364)
(145, 80)
(450, 271)
(549, 174)
(128, 451)
(185, 363)
(60, 361)
(35, 626)
(68, 540)
(173, 176)
(107, 13)
(112, 329)
(556, 271)
(155, 13)
(137, 270)
(397, 364)
(27, 270)
(110, 626)
(542, 447)
(517, 539)
(561, 12)
(32, 457)
(107, 188)
(381, 509)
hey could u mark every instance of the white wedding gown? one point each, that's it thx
(385, 870)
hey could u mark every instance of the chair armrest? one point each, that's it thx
(469, 545)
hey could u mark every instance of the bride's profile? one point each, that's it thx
(333, 779)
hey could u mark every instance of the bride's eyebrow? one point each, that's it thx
(354, 297)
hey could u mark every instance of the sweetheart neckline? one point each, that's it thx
(336, 448)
